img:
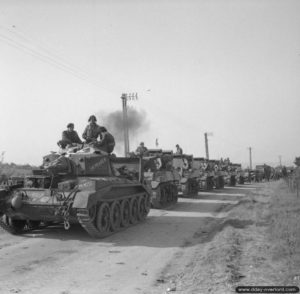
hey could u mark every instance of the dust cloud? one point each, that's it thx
(113, 121)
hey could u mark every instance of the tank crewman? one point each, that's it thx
(141, 150)
(107, 143)
(178, 150)
(69, 137)
(92, 130)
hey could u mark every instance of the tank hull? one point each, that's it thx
(101, 205)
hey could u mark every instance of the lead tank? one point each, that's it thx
(100, 192)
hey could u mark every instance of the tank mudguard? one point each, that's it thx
(3, 197)
(85, 199)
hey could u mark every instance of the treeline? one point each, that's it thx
(8, 170)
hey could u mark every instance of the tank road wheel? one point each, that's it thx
(115, 216)
(169, 194)
(163, 197)
(142, 212)
(17, 225)
(93, 212)
(147, 203)
(103, 219)
(174, 194)
(33, 225)
(125, 213)
(133, 210)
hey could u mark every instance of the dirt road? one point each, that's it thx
(131, 261)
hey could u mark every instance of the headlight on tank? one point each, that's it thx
(183, 180)
(16, 201)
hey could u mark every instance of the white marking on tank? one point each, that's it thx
(221, 194)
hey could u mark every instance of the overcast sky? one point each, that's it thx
(227, 67)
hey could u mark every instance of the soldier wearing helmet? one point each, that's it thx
(141, 150)
(107, 143)
(178, 150)
(69, 137)
(92, 130)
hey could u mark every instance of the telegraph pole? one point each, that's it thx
(125, 124)
(250, 156)
(206, 144)
(279, 160)
(125, 97)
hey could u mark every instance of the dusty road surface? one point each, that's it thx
(136, 260)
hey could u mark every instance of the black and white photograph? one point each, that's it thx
(149, 146)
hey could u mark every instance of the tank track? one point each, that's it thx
(89, 223)
(192, 188)
(169, 190)
(10, 228)
(6, 226)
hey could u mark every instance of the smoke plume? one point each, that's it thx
(137, 123)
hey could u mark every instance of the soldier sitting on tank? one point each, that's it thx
(178, 150)
(141, 150)
(92, 130)
(69, 137)
(107, 143)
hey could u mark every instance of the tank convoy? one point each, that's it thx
(102, 193)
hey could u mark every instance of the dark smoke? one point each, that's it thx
(137, 123)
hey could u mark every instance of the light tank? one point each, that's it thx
(228, 171)
(218, 173)
(205, 175)
(101, 192)
(161, 178)
(189, 179)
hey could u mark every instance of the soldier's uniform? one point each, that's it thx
(179, 150)
(141, 150)
(107, 143)
(92, 132)
(69, 137)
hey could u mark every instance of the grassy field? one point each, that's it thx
(284, 230)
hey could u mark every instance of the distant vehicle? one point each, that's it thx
(205, 173)
(161, 178)
(189, 180)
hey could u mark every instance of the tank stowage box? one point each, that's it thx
(102, 193)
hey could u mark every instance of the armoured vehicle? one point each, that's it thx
(189, 179)
(161, 178)
(100, 192)
(205, 175)
(230, 171)
(218, 173)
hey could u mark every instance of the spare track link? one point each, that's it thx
(88, 223)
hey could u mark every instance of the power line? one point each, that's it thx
(49, 60)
